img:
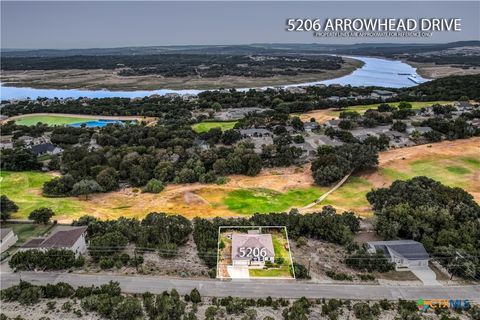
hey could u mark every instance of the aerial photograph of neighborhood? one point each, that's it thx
(240, 160)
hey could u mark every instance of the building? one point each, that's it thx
(8, 239)
(46, 148)
(252, 249)
(310, 126)
(403, 253)
(73, 240)
(382, 94)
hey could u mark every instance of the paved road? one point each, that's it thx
(252, 288)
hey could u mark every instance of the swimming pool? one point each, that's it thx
(95, 123)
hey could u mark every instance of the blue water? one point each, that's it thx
(378, 72)
(375, 72)
(94, 123)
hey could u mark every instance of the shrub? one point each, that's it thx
(153, 186)
(106, 263)
(340, 276)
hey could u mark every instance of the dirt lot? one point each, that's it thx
(195, 199)
(109, 79)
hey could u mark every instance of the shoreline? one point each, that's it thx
(100, 79)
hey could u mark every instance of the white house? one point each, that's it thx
(73, 240)
(46, 148)
(8, 239)
(252, 249)
(403, 253)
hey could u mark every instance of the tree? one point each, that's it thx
(7, 207)
(41, 215)
(399, 126)
(108, 179)
(19, 159)
(297, 124)
(195, 296)
(129, 309)
(153, 186)
(404, 105)
(86, 187)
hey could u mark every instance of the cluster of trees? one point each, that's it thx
(19, 159)
(325, 225)
(182, 65)
(382, 115)
(451, 129)
(144, 155)
(333, 163)
(156, 232)
(446, 220)
(51, 259)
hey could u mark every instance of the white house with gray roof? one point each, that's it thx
(245, 245)
(405, 254)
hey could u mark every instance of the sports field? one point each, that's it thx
(207, 125)
(50, 120)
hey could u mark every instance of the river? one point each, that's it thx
(374, 72)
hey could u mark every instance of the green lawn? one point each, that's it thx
(50, 120)
(351, 195)
(24, 188)
(415, 105)
(279, 241)
(207, 125)
(249, 201)
(449, 170)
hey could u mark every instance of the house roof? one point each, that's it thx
(409, 249)
(60, 239)
(260, 241)
(4, 232)
(43, 147)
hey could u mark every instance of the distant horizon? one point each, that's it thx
(57, 25)
(244, 44)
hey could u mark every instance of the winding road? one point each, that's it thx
(251, 288)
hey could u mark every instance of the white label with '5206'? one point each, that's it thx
(252, 252)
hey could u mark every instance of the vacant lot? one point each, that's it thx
(455, 163)
(207, 125)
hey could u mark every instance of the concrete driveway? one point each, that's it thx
(238, 272)
(426, 275)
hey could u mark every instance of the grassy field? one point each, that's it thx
(50, 120)
(454, 163)
(207, 125)
(456, 166)
(24, 188)
(249, 201)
